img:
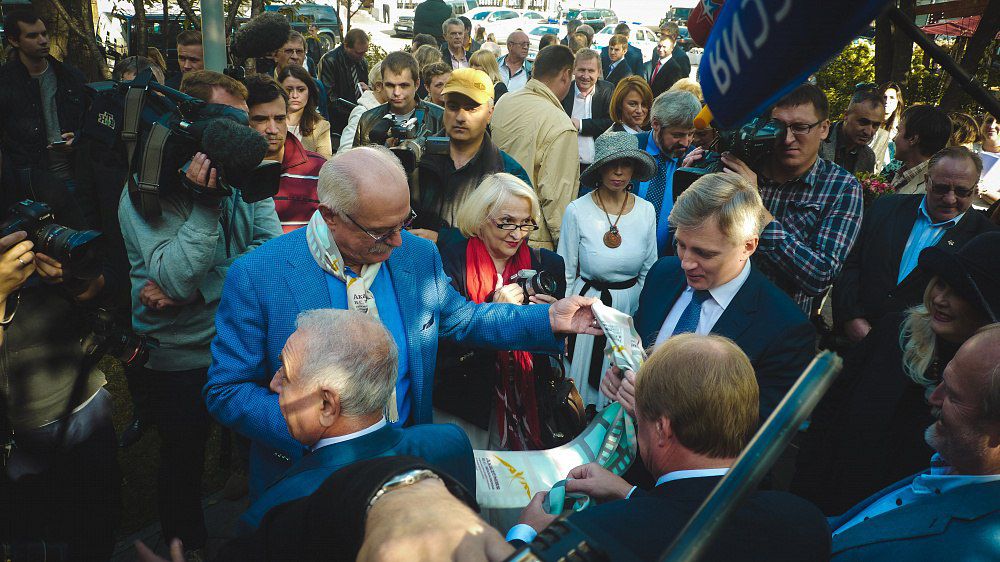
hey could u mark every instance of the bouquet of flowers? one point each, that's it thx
(873, 186)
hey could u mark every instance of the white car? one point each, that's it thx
(501, 22)
(644, 39)
(535, 35)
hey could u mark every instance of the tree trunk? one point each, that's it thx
(902, 46)
(954, 96)
(883, 50)
(232, 14)
(189, 12)
(82, 50)
(256, 8)
(138, 31)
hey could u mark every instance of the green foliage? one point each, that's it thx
(375, 53)
(838, 78)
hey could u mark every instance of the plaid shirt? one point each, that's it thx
(816, 220)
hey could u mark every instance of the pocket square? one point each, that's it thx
(428, 324)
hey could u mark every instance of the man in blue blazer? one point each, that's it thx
(364, 207)
(338, 371)
(712, 287)
(952, 511)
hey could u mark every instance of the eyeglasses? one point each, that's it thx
(291, 52)
(379, 238)
(865, 86)
(509, 226)
(944, 189)
(519, 43)
(801, 129)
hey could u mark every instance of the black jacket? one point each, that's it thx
(440, 183)
(465, 377)
(665, 78)
(683, 61)
(446, 53)
(433, 121)
(600, 108)
(767, 525)
(633, 60)
(23, 137)
(867, 285)
(623, 70)
(335, 74)
(429, 16)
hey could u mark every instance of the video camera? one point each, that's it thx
(163, 128)
(410, 141)
(78, 251)
(751, 143)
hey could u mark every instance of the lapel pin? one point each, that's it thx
(951, 242)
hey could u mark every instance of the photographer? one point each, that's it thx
(816, 204)
(179, 261)
(446, 180)
(400, 78)
(474, 386)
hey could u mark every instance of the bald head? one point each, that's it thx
(517, 47)
(361, 176)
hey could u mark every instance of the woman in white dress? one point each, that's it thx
(608, 241)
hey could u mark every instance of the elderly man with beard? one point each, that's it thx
(952, 510)
(355, 254)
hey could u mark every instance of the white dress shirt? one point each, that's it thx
(711, 309)
(341, 438)
(582, 110)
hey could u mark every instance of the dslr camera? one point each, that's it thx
(78, 251)
(108, 336)
(751, 143)
(409, 141)
(535, 283)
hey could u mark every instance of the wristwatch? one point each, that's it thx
(403, 480)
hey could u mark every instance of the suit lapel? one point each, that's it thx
(664, 293)
(347, 452)
(736, 318)
(903, 220)
(305, 279)
(401, 271)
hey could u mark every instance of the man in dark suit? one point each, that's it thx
(453, 50)
(696, 403)
(338, 372)
(662, 70)
(588, 102)
(633, 56)
(880, 275)
(952, 511)
(711, 287)
(678, 55)
(617, 67)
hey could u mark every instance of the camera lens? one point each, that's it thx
(543, 284)
(78, 251)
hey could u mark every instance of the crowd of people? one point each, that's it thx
(421, 285)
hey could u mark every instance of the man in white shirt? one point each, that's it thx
(338, 371)
(710, 286)
(588, 103)
(952, 511)
(514, 68)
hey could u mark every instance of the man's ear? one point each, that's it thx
(824, 129)
(329, 216)
(664, 431)
(330, 409)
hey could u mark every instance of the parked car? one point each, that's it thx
(597, 18)
(644, 39)
(301, 15)
(501, 22)
(535, 35)
(685, 40)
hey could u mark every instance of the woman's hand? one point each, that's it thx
(512, 293)
(542, 299)
(692, 157)
(17, 262)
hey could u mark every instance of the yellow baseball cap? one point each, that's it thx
(474, 84)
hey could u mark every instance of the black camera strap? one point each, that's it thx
(144, 190)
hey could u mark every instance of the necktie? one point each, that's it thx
(658, 185)
(354, 79)
(692, 313)
(655, 70)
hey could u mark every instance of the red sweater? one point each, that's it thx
(296, 199)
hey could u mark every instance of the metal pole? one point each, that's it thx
(213, 35)
(958, 74)
(756, 460)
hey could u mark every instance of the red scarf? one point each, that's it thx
(516, 407)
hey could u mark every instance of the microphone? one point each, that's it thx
(234, 148)
(260, 37)
(702, 18)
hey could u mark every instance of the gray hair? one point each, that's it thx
(491, 194)
(991, 398)
(340, 177)
(350, 352)
(585, 55)
(730, 198)
(676, 108)
(449, 22)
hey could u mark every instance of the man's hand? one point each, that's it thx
(598, 483)
(534, 514)
(17, 262)
(626, 393)
(611, 382)
(541, 299)
(573, 315)
(424, 522)
(425, 234)
(154, 297)
(144, 554)
(857, 329)
(69, 138)
(201, 172)
(734, 165)
(50, 270)
(692, 157)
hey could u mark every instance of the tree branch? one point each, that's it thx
(189, 12)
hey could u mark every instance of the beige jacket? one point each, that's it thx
(532, 127)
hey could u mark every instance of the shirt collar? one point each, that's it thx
(725, 293)
(667, 58)
(697, 473)
(652, 148)
(578, 93)
(940, 479)
(922, 211)
(341, 438)
(907, 175)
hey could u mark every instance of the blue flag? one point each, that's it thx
(759, 50)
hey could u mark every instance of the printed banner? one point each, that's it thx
(759, 50)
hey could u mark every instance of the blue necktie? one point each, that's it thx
(658, 184)
(692, 313)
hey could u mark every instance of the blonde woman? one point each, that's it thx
(869, 430)
(486, 61)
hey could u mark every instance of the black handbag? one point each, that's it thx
(561, 410)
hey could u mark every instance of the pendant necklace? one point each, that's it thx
(612, 238)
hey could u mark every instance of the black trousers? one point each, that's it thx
(175, 406)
